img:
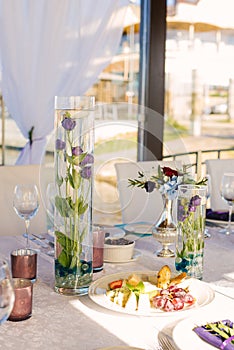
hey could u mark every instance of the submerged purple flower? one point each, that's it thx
(76, 151)
(59, 145)
(192, 208)
(181, 213)
(195, 201)
(86, 172)
(89, 159)
(149, 186)
(68, 124)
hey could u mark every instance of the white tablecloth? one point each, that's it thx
(62, 322)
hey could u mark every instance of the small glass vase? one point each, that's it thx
(165, 229)
(191, 214)
(73, 200)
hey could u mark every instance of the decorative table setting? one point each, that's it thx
(120, 287)
(59, 321)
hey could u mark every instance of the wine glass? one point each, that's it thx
(208, 193)
(26, 203)
(7, 295)
(227, 193)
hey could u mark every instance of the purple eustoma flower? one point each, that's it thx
(76, 151)
(68, 124)
(194, 202)
(89, 159)
(192, 208)
(181, 213)
(86, 172)
(149, 186)
(59, 145)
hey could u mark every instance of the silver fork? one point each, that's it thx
(165, 343)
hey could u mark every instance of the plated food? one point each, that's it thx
(161, 292)
(143, 296)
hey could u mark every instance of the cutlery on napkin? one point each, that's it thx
(219, 334)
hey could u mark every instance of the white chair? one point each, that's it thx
(40, 175)
(216, 168)
(136, 204)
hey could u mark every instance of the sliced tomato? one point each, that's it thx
(115, 284)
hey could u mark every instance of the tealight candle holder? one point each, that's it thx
(22, 309)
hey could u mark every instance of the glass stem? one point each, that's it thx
(229, 227)
(27, 228)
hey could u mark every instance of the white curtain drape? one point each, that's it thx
(49, 48)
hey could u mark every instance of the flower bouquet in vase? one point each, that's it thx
(74, 178)
(166, 181)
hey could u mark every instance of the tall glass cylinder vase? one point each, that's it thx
(191, 214)
(73, 200)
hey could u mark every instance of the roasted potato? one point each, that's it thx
(164, 277)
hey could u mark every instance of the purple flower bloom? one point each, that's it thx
(192, 208)
(149, 186)
(86, 172)
(196, 200)
(68, 124)
(89, 159)
(181, 212)
(76, 151)
(59, 145)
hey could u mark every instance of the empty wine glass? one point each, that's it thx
(208, 193)
(7, 295)
(26, 204)
(227, 193)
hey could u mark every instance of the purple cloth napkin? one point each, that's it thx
(218, 215)
(213, 339)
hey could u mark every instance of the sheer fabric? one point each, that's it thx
(50, 48)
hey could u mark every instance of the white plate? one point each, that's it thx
(120, 348)
(200, 290)
(221, 222)
(183, 334)
(139, 229)
(136, 255)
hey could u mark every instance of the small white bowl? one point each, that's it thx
(118, 249)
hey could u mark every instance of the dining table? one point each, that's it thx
(82, 323)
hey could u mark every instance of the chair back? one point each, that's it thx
(12, 175)
(136, 204)
(216, 168)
